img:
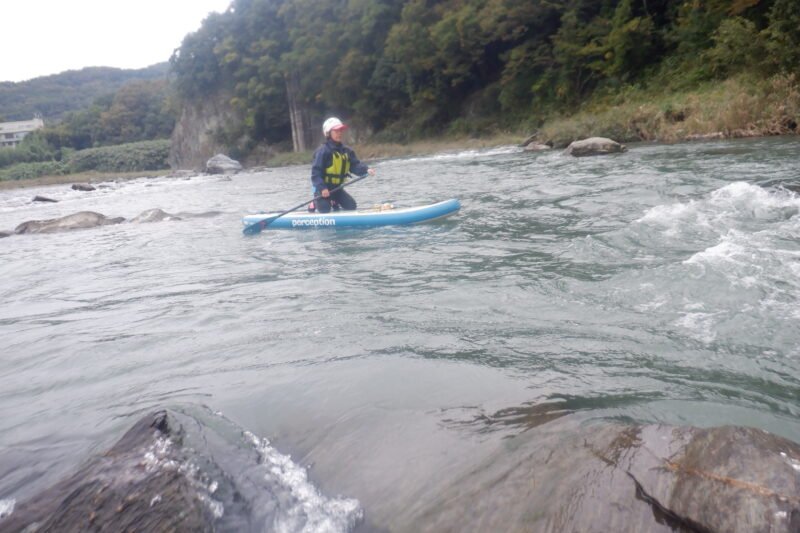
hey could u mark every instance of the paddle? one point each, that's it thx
(252, 229)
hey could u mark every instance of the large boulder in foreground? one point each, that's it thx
(138, 485)
(80, 220)
(222, 164)
(626, 479)
(181, 473)
(561, 476)
(594, 146)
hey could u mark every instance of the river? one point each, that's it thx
(656, 286)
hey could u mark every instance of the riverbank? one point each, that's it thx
(371, 151)
(741, 106)
(365, 152)
(92, 177)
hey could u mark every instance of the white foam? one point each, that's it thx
(6, 508)
(794, 463)
(311, 512)
(725, 251)
(700, 325)
(155, 457)
(736, 204)
(465, 154)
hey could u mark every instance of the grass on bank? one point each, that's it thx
(743, 106)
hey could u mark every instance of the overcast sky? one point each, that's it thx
(42, 37)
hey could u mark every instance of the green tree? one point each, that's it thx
(783, 35)
(140, 111)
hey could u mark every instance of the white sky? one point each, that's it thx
(41, 37)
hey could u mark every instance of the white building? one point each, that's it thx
(12, 133)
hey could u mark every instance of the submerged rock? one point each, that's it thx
(537, 147)
(627, 479)
(222, 164)
(90, 219)
(594, 146)
(4, 234)
(138, 485)
(80, 220)
(38, 198)
(154, 215)
(82, 187)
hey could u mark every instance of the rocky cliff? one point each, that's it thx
(196, 136)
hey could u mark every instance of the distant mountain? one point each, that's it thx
(52, 96)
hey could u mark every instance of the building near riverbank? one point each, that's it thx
(12, 133)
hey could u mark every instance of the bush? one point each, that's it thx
(22, 171)
(145, 155)
(34, 147)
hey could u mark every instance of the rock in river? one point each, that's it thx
(82, 187)
(594, 146)
(537, 147)
(154, 215)
(80, 220)
(560, 476)
(141, 484)
(222, 164)
(625, 479)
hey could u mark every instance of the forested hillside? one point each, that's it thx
(134, 116)
(52, 96)
(417, 67)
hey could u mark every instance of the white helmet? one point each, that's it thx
(332, 123)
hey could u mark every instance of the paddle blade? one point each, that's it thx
(254, 229)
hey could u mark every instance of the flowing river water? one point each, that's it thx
(368, 370)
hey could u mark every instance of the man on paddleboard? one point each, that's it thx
(331, 164)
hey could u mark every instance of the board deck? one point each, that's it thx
(381, 216)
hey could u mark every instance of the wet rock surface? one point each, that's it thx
(90, 219)
(154, 215)
(80, 220)
(174, 472)
(557, 476)
(38, 198)
(136, 486)
(626, 479)
(82, 187)
(537, 147)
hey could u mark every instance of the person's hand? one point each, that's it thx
(370, 172)
(325, 193)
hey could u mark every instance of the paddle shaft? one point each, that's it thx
(262, 224)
